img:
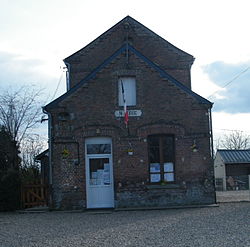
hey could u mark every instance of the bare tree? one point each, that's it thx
(20, 110)
(31, 146)
(235, 140)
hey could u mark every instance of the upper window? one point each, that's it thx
(161, 158)
(129, 94)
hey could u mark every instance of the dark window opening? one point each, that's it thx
(63, 116)
(161, 158)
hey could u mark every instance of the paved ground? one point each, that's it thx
(233, 196)
(227, 225)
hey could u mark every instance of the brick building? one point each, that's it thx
(162, 157)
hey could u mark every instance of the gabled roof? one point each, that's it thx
(42, 154)
(234, 156)
(162, 73)
(124, 20)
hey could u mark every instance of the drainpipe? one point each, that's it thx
(50, 152)
(67, 75)
(212, 146)
(211, 133)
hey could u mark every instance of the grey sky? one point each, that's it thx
(235, 81)
(35, 36)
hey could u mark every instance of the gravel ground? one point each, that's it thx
(227, 225)
(233, 196)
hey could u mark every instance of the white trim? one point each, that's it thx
(98, 140)
(99, 196)
(129, 86)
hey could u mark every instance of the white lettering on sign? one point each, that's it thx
(131, 113)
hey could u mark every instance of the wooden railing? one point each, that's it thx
(34, 195)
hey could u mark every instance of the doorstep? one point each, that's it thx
(166, 207)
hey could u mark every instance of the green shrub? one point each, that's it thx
(10, 185)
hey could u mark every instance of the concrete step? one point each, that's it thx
(41, 209)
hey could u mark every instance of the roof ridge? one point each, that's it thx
(118, 23)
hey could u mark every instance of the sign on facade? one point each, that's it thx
(131, 113)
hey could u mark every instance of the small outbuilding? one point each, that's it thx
(43, 159)
(129, 131)
(232, 169)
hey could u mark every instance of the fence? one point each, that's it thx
(34, 195)
(237, 182)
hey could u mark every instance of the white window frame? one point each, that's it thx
(129, 85)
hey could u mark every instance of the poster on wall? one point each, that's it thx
(155, 178)
(99, 177)
(169, 177)
(168, 167)
(154, 167)
(106, 174)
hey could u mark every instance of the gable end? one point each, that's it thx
(162, 73)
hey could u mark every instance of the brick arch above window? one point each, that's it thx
(154, 129)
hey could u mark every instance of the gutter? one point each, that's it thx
(50, 147)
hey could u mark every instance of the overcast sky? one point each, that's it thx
(36, 35)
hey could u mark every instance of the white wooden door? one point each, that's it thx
(99, 173)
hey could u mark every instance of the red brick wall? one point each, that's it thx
(176, 62)
(165, 109)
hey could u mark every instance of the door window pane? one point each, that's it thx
(99, 171)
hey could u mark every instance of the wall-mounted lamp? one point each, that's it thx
(194, 147)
